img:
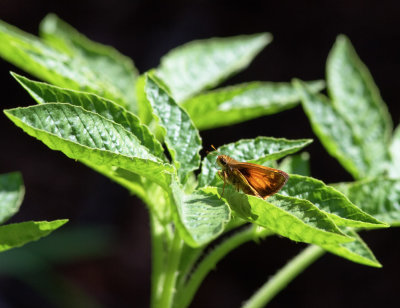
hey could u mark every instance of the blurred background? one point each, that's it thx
(102, 257)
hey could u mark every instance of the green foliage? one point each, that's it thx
(74, 63)
(230, 105)
(379, 197)
(203, 64)
(15, 235)
(180, 134)
(12, 192)
(117, 123)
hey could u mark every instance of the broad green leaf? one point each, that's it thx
(296, 219)
(200, 216)
(296, 164)
(334, 132)
(106, 62)
(45, 93)
(394, 169)
(258, 150)
(329, 200)
(203, 64)
(235, 104)
(180, 135)
(18, 234)
(87, 136)
(11, 194)
(356, 97)
(356, 251)
(379, 197)
(45, 62)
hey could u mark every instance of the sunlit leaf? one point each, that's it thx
(203, 64)
(235, 104)
(181, 136)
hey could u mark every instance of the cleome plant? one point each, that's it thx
(142, 131)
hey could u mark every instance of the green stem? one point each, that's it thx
(285, 275)
(171, 272)
(157, 260)
(187, 293)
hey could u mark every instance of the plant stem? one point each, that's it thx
(209, 262)
(284, 276)
(157, 260)
(171, 271)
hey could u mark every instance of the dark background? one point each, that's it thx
(304, 32)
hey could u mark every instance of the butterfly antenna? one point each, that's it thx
(215, 150)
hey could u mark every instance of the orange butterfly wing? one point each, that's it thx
(266, 181)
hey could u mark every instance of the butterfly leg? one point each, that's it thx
(223, 175)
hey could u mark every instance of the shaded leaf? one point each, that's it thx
(12, 192)
(235, 104)
(42, 60)
(18, 234)
(87, 136)
(258, 150)
(45, 93)
(201, 216)
(356, 251)
(202, 64)
(329, 200)
(379, 197)
(110, 66)
(181, 136)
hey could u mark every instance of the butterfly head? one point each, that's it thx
(222, 160)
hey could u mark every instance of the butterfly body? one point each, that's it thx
(252, 179)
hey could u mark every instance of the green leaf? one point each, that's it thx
(330, 201)
(355, 94)
(356, 97)
(18, 234)
(200, 216)
(11, 194)
(106, 62)
(87, 136)
(296, 164)
(258, 150)
(235, 104)
(203, 64)
(181, 136)
(42, 60)
(356, 251)
(334, 132)
(45, 93)
(379, 197)
(296, 219)
(394, 169)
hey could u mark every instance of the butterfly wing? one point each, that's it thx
(266, 181)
